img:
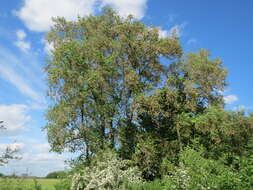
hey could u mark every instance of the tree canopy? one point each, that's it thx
(99, 66)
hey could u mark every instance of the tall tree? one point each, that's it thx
(194, 84)
(98, 67)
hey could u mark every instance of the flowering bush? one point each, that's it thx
(107, 171)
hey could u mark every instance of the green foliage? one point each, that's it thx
(8, 183)
(169, 112)
(157, 184)
(246, 166)
(18, 184)
(109, 88)
(99, 65)
(57, 174)
(223, 132)
(196, 172)
(36, 185)
(63, 184)
(147, 157)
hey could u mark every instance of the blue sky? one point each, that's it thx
(223, 27)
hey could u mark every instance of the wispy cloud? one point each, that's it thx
(175, 31)
(230, 99)
(178, 29)
(191, 41)
(23, 74)
(12, 146)
(48, 47)
(21, 34)
(12, 77)
(243, 108)
(15, 118)
(21, 43)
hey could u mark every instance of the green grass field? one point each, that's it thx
(46, 184)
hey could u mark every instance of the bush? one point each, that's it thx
(246, 167)
(196, 173)
(158, 184)
(107, 171)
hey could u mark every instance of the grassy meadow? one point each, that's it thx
(46, 184)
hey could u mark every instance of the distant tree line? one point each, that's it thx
(57, 175)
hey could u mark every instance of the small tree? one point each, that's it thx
(9, 153)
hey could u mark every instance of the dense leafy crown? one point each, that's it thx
(100, 64)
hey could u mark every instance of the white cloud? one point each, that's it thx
(230, 99)
(35, 158)
(175, 31)
(24, 46)
(45, 147)
(240, 108)
(13, 146)
(21, 34)
(48, 47)
(15, 118)
(243, 108)
(37, 164)
(163, 33)
(125, 7)
(178, 29)
(191, 41)
(21, 43)
(37, 14)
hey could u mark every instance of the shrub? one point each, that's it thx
(158, 184)
(196, 173)
(246, 167)
(107, 171)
